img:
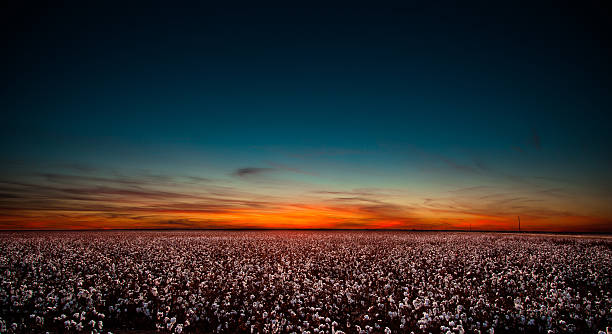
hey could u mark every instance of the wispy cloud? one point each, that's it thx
(248, 172)
(251, 171)
(150, 200)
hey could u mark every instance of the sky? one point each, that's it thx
(424, 115)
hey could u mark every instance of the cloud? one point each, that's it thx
(358, 199)
(83, 168)
(9, 195)
(140, 179)
(198, 179)
(497, 205)
(139, 192)
(145, 200)
(251, 171)
(557, 192)
(72, 179)
(175, 223)
(361, 192)
(275, 167)
(308, 153)
(471, 190)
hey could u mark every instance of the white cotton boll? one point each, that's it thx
(417, 303)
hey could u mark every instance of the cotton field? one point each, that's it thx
(303, 282)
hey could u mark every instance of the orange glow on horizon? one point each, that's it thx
(289, 216)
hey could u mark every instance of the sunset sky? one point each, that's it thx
(421, 116)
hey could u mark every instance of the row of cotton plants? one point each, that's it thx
(303, 282)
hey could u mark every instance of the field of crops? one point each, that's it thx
(303, 282)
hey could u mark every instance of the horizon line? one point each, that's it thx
(308, 229)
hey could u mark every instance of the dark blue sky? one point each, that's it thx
(426, 97)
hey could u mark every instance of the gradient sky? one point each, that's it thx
(428, 115)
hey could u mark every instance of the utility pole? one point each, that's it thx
(519, 220)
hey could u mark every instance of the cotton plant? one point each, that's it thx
(304, 282)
